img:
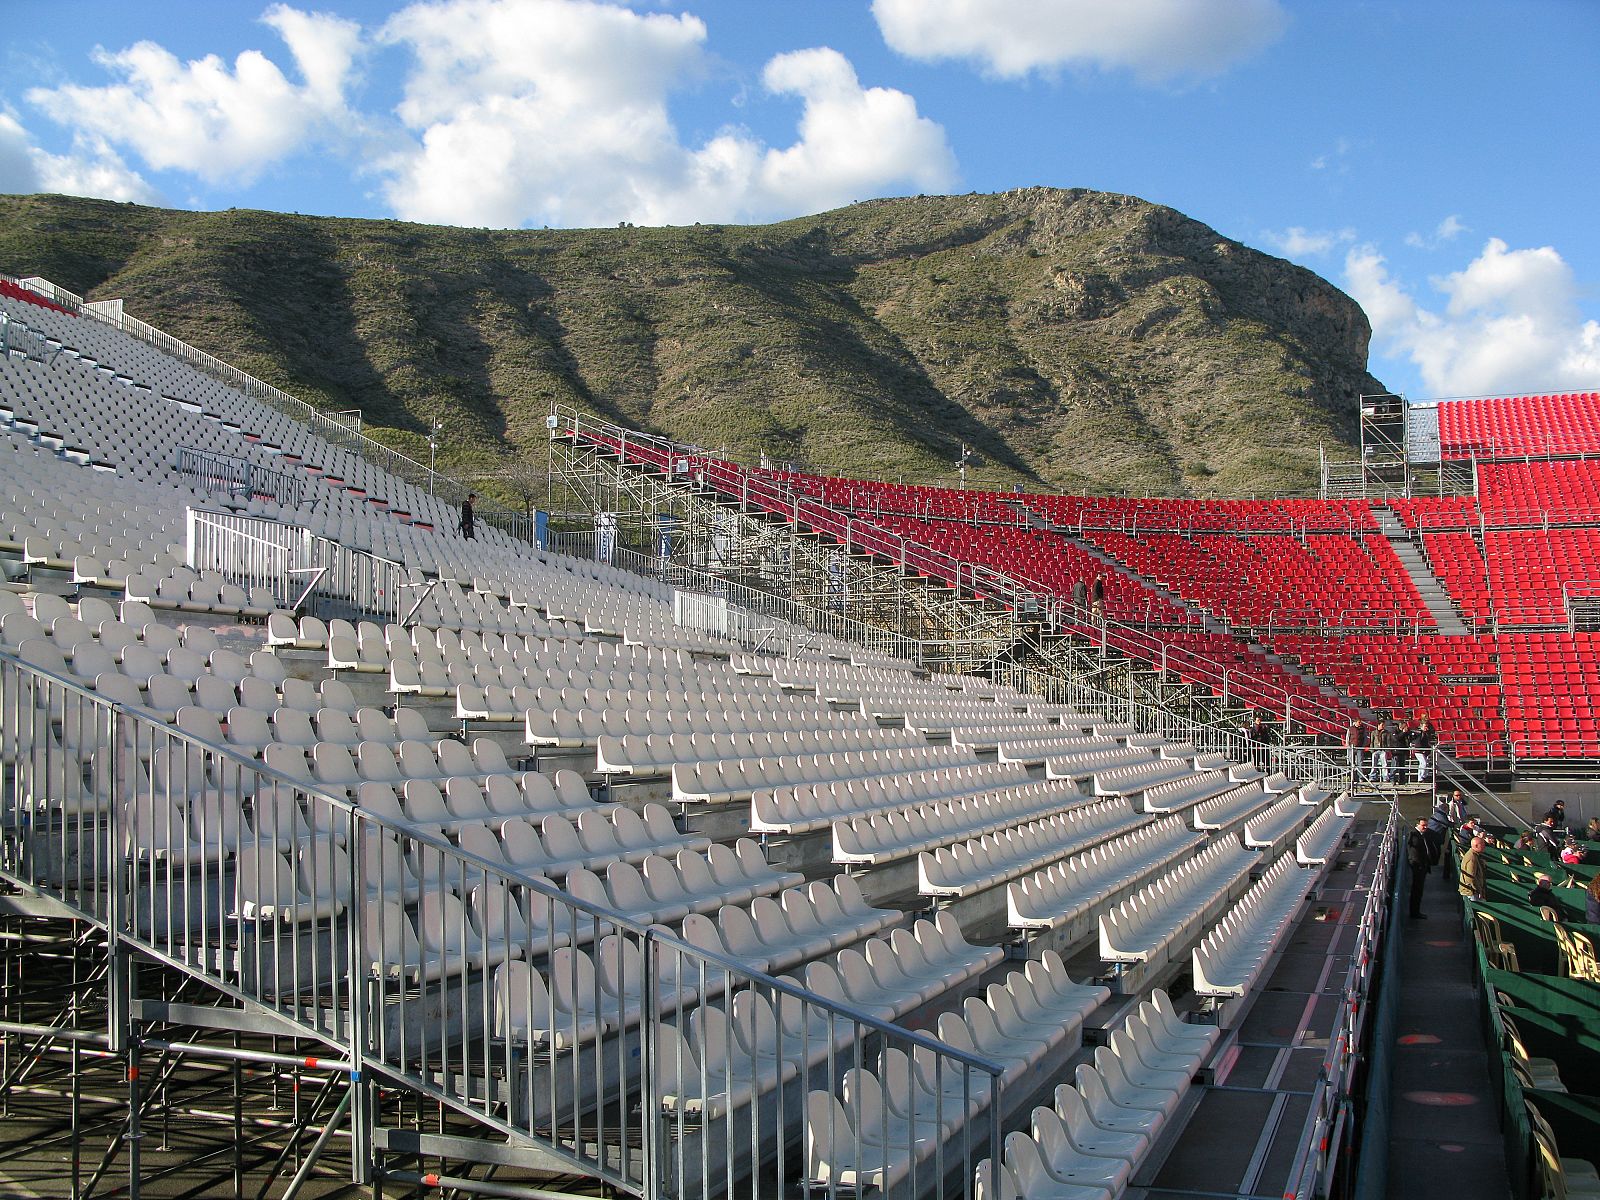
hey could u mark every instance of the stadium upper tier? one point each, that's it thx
(1501, 426)
(1320, 582)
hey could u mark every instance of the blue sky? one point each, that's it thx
(1438, 159)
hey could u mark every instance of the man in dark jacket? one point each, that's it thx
(1386, 741)
(1355, 746)
(1419, 858)
(1550, 837)
(1423, 738)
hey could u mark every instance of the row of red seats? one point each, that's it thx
(1185, 515)
(1562, 423)
(865, 495)
(1559, 490)
(1531, 570)
(1040, 558)
(17, 292)
(1437, 512)
(1551, 683)
(1453, 680)
(1276, 580)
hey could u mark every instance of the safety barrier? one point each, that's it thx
(300, 568)
(238, 477)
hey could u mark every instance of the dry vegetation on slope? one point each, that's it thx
(1077, 340)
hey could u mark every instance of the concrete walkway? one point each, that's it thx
(1444, 1140)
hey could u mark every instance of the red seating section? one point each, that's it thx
(1453, 680)
(1551, 683)
(1275, 580)
(1214, 516)
(1567, 423)
(1458, 563)
(1561, 490)
(1040, 558)
(17, 292)
(1289, 571)
(1530, 569)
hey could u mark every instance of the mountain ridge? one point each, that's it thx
(1076, 340)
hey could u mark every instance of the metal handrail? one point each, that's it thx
(1335, 1075)
(370, 1013)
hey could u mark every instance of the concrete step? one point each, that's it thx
(1435, 597)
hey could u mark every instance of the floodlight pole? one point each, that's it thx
(433, 450)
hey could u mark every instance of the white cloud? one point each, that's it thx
(220, 123)
(1337, 158)
(1510, 322)
(1155, 39)
(555, 112)
(92, 169)
(1299, 242)
(1447, 230)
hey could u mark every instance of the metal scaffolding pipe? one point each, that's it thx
(321, 1144)
(202, 1050)
(54, 1032)
(474, 1187)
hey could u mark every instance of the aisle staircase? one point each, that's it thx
(1434, 597)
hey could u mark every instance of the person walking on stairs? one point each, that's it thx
(1419, 858)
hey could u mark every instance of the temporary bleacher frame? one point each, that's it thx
(976, 613)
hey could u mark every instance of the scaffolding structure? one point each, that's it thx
(656, 508)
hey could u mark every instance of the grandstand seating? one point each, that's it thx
(303, 777)
(1535, 492)
(1507, 559)
(1325, 579)
(1563, 423)
(1455, 681)
(1550, 681)
(574, 660)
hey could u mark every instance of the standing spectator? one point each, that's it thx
(1457, 808)
(1437, 825)
(1097, 596)
(1472, 879)
(1386, 741)
(1591, 906)
(1419, 858)
(1080, 594)
(468, 523)
(1558, 814)
(1355, 746)
(1423, 738)
(1548, 836)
